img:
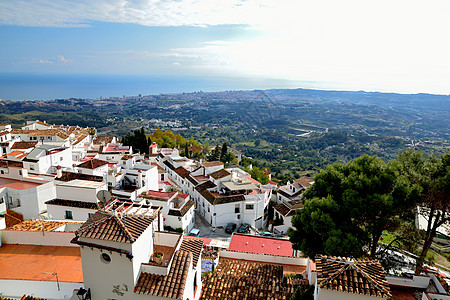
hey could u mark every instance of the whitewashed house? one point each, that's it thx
(124, 256)
(177, 208)
(226, 198)
(75, 200)
(23, 193)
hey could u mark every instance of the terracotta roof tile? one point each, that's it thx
(282, 209)
(214, 200)
(103, 140)
(69, 176)
(237, 279)
(205, 185)
(183, 210)
(23, 145)
(9, 163)
(72, 203)
(194, 246)
(37, 225)
(220, 174)
(352, 276)
(182, 172)
(215, 163)
(93, 164)
(304, 181)
(194, 148)
(171, 285)
(109, 227)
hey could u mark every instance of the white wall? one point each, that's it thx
(32, 200)
(416, 282)
(58, 212)
(85, 194)
(46, 238)
(102, 277)
(42, 289)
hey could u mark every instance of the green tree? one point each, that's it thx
(224, 152)
(215, 154)
(349, 206)
(137, 140)
(430, 175)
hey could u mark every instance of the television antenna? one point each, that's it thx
(56, 275)
(104, 196)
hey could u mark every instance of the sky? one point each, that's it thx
(383, 45)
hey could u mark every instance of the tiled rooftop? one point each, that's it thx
(215, 163)
(193, 245)
(103, 139)
(72, 203)
(183, 210)
(23, 145)
(304, 181)
(182, 172)
(238, 279)
(220, 174)
(93, 164)
(68, 176)
(37, 225)
(352, 276)
(110, 227)
(282, 209)
(33, 262)
(171, 285)
(9, 163)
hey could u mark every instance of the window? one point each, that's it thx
(18, 202)
(20, 172)
(31, 168)
(2, 172)
(249, 206)
(90, 215)
(105, 258)
(61, 158)
(237, 208)
(2, 200)
(238, 217)
(69, 214)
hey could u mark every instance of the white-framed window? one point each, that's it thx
(249, 206)
(69, 215)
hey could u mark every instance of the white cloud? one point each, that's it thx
(59, 59)
(65, 13)
(364, 43)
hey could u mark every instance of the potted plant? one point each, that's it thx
(158, 257)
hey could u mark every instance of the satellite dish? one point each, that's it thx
(104, 196)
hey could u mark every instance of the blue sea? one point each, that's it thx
(20, 86)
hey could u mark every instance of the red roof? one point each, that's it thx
(164, 195)
(261, 245)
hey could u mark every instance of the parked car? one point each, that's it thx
(244, 228)
(266, 234)
(194, 232)
(230, 228)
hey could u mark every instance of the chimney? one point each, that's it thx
(58, 172)
(139, 185)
